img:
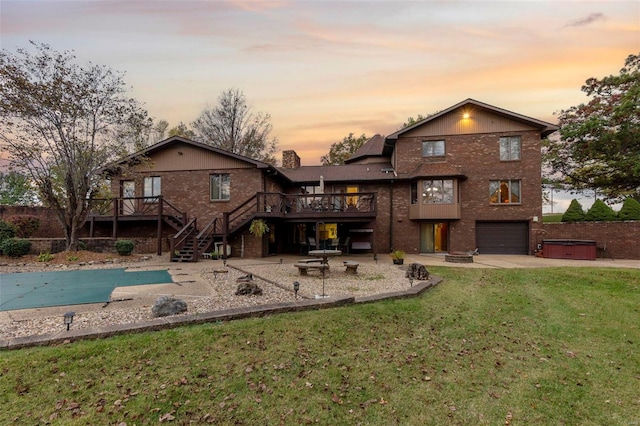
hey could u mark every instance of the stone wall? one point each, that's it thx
(622, 239)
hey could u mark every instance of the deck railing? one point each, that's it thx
(358, 202)
(136, 206)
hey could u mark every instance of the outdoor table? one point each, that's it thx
(325, 254)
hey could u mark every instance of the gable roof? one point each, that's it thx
(138, 157)
(173, 140)
(374, 147)
(544, 127)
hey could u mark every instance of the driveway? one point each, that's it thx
(517, 261)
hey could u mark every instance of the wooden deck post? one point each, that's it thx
(159, 235)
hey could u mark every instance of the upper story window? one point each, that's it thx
(437, 191)
(504, 192)
(220, 187)
(433, 148)
(510, 147)
(152, 189)
(434, 191)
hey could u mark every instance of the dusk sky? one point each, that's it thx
(323, 69)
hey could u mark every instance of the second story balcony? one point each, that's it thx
(330, 205)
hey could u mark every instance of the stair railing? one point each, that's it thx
(205, 237)
(179, 240)
(238, 215)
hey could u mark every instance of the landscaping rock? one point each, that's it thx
(417, 272)
(166, 305)
(248, 288)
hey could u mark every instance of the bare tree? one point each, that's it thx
(61, 123)
(233, 126)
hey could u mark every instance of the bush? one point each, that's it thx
(574, 213)
(15, 247)
(7, 231)
(124, 247)
(45, 257)
(630, 210)
(25, 226)
(600, 212)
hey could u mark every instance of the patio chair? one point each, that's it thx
(312, 243)
(344, 246)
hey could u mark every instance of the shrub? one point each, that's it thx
(600, 212)
(15, 247)
(45, 257)
(124, 247)
(630, 210)
(7, 231)
(25, 226)
(574, 213)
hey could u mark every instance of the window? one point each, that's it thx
(510, 148)
(438, 191)
(151, 189)
(504, 191)
(414, 192)
(220, 187)
(352, 200)
(433, 149)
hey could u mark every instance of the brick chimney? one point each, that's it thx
(290, 160)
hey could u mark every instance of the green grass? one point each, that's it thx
(485, 347)
(552, 217)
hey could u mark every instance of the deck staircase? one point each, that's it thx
(190, 243)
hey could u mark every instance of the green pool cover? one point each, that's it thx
(43, 289)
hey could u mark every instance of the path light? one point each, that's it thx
(411, 281)
(375, 257)
(296, 287)
(224, 262)
(68, 319)
(281, 261)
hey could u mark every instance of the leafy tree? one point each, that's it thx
(61, 123)
(630, 209)
(411, 121)
(232, 125)
(16, 189)
(341, 151)
(182, 130)
(598, 146)
(159, 130)
(600, 212)
(574, 213)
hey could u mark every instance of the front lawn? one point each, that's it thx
(519, 347)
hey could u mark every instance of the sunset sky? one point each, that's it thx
(324, 69)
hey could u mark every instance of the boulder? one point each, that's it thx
(248, 288)
(417, 272)
(166, 305)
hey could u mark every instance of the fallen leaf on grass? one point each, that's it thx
(167, 417)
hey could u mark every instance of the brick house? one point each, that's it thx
(467, 177)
